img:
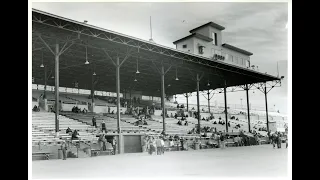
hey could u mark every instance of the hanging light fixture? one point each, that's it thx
(87, 62)
(135, 79)
(208, 83)
(94, 73)
(52, 77)
(169, 85)
(177, 74)
(42, 61)
(137, 67)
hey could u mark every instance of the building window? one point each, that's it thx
(230, 58)
(184, 46)
(201, 49)
(236, 59)
(214, 38)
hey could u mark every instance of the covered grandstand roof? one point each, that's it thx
(101, 47)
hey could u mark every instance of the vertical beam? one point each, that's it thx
(247, 92)
(208, 100)
(45, 83)
(187, 102)
(162, 99)
(198, 104)
(92, 93)
(225, 103)
(120, 139)
(265, 95)
(57, 89)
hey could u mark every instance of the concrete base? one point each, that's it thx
(248, 161)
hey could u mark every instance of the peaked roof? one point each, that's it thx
(237, 49)
(212, 24)
(200, 36)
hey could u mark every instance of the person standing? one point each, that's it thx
(158, 145)
(222, 141)
(94, 122)
(103, 127)
(279, 140)
(64, 150)
(114, 145)
(162, 146)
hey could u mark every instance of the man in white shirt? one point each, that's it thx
(162, 146)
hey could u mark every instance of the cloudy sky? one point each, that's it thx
(256, 27)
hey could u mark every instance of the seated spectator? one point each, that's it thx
(112, 112)
(34, 108)
(214, 122)
(179, 122)
(228, 124)
(145, 122)
(186, 123)
(175, 116)
(203, 119)
(68, 130)
(171, 116)
(74, 135)
(237, 119)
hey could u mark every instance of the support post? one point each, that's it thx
(162, 99)
(225, 103)
(247, 92)
(208, 100)
(198, 104)
(92, 93)
(45, 89)
(57, 90)
(265, 95)
(121, 150)
(187, 102)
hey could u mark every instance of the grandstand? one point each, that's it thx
(72, 88)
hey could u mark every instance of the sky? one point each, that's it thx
(260, 28)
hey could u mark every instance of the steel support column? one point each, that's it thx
(265, 95)
(198, 104)
(57, 90)
(121, 150)
(92, 93)
(162, 99)
(45, 83)
(187, 102)
(248, 109)
(208, 100)
(225, 103)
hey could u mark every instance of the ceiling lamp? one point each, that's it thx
(137, 68)
(177, 74)
(208, 83)
(169, 85)
(135, 79)
(87, 62)
(42, 61)
(94, 73)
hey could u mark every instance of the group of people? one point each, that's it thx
(106, 142)
(36, 108)
(180, 122)
(75, 109)
(154, 144)
(276, 138)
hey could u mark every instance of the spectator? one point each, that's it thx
(74, 135)
(103, 127)
(175, 116)
(186, 123)
(222, 138)
(182, 144)
(214, 122)
(114, 145)
(179, 122)
(94, 122)
(158, 145)
(102, 142)
(64, 150)
(68, 130)
(203, 119)
(228, 124)
(162, 146)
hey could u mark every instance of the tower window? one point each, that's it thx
(201, 49)
(184, 46)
